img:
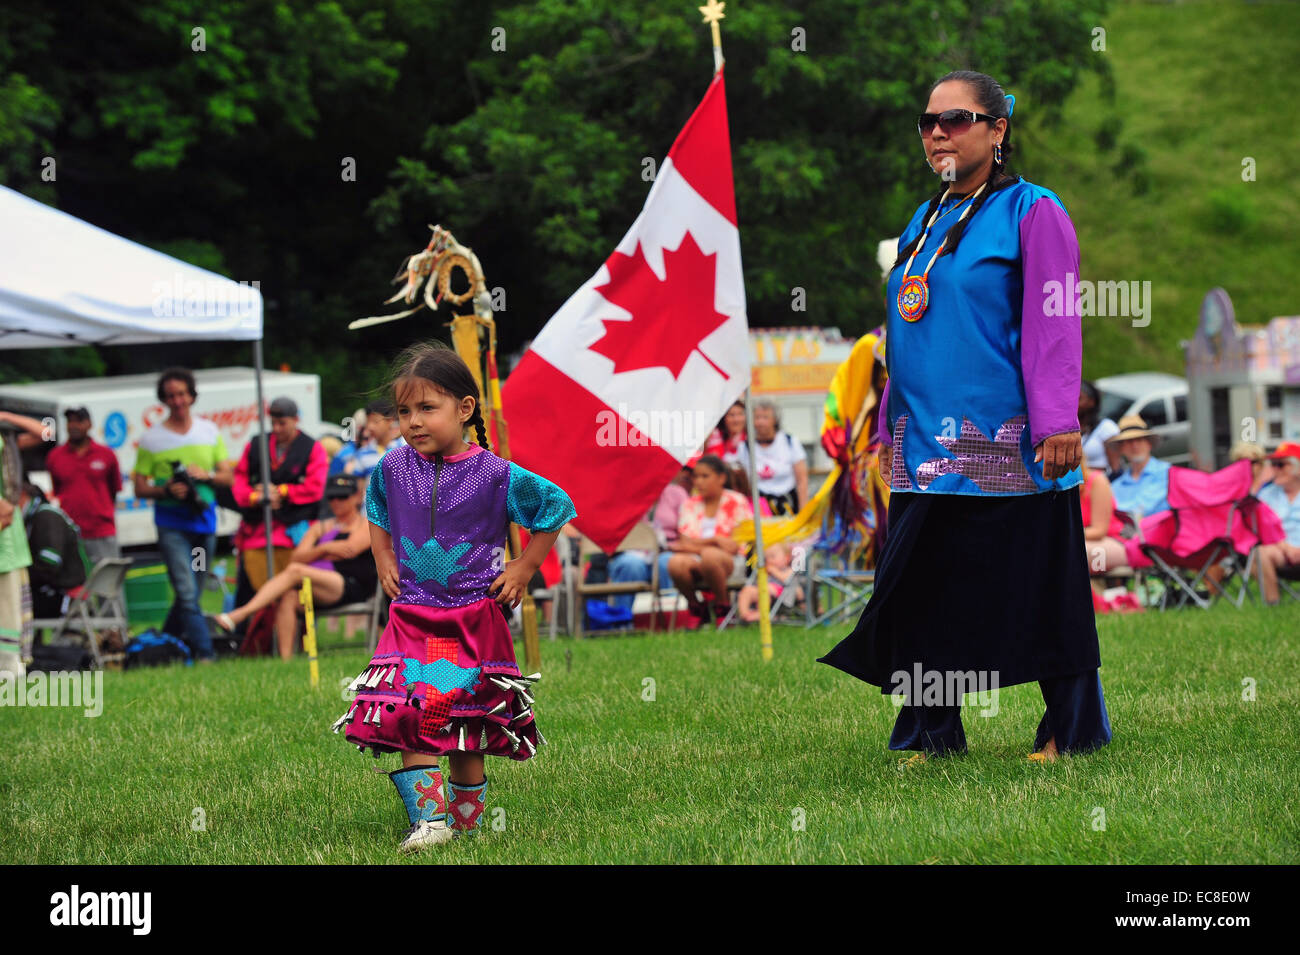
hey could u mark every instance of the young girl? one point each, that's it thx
(443, 680)
(780, 571)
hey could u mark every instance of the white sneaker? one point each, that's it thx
(425, 833)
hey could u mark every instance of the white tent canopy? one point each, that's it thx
(66, 282)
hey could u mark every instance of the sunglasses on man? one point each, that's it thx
(953, 122)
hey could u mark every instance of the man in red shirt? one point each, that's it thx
(86, 480)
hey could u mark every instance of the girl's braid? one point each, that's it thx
(476, 421)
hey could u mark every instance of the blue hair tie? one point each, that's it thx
(1011, 105)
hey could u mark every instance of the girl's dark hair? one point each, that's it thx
(989, 95)
(738, 481)
(441, 367)
(715, 464)
(183, 375)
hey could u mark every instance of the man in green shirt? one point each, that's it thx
(185, 511)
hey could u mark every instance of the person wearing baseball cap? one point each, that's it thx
(298, 467)
(1142, 488)
(341, 485)
(334, 554)
(1283, 497)
(86, 480)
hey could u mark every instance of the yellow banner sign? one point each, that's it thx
(811, 377)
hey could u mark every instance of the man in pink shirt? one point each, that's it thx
(298, 468)
(86, 480)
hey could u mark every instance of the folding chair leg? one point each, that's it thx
(727, 620)
(1186, 592)
(92, 638)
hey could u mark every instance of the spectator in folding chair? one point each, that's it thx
(704, 554)
(334, 554)
(1102, 530)
(1195, 535)
(779, 576)
(1282, 497)
(1142, 488)
(1261, 471)
(634, 565)
(1261, 468)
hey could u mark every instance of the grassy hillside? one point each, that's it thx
(1199, 87)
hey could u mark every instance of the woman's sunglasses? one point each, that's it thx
(953, 121)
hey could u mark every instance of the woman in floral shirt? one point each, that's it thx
(704, 553)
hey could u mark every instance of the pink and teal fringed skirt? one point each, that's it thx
(444, 680)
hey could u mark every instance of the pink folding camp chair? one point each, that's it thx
(1213, 519)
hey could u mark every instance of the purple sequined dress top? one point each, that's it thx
(444, 678)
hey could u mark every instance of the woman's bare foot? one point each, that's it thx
(1048, 754)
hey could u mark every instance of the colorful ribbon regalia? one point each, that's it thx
(854, 499)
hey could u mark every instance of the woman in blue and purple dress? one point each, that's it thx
(443, 680)
(982, 583)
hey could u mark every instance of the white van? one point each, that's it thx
(122, 408)
(1161, 400)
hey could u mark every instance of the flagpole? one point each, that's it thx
(713, 13)
(764, 600)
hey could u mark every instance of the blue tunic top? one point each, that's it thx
(994, 364)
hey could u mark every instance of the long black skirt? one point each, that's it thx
(997, 585)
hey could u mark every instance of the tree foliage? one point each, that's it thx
(524, 127)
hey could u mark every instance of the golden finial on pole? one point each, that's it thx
(712, 14)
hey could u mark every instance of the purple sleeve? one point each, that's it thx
(1051, 343)
(882, 419)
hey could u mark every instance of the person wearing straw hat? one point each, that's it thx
(983, 576)
(1142, 488)
(1261, 468)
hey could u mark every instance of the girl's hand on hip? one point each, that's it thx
(1060, 454)
(513, 582)
(389, 578)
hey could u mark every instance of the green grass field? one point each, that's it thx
(733, 761)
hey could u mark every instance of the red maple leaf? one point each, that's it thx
(669, 318)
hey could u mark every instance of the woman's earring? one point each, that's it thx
(997, 153)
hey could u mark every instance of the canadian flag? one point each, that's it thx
(625, 382)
